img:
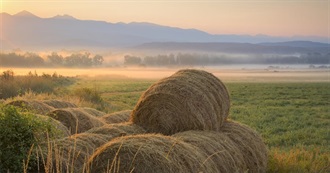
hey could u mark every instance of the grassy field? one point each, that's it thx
(293, 118)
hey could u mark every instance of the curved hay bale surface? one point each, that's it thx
(250, 143)
(148, 153)
(117, 130)
(191, 99)
(59, 104)
(60, 130)
(219, 148)
(93, 112)
(76, 119)
(117, 117)
(32, 105)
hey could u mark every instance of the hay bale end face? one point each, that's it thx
(187, 100)
(219, 148)
(117, 117)
(250, 143)
(149, 153)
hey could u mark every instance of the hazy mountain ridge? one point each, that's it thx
(28, 31)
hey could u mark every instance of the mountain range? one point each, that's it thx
(27, 31)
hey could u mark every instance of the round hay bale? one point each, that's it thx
(219, 148)
(59, 104)
(117, 130)
(60, 130)
(250, 143)
(93, 112)
(76, 119)
(191, 99)
(149, 153)
(117, 117)
(32, 105)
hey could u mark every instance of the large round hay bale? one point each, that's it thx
(58, 129)
(250, 143)
(149, 153)
(59, 104)
(219, 148)
(32, 105)
(117, 117)
(187, 100)
(117, 130)
(76, 119)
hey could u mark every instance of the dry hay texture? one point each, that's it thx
(117, 117)
(76, 119)
(219, 148)
(187, 100)
(250, 144)
(93, 112)
(59, 104)
(149, 153)
(70, 154)
(32, 105)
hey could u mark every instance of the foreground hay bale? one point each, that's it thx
(219, 148)
(117, 117)
(59, 104)
(32, 105)
(250, 144)
(76, 119)
(71, 153)
(187, 100)
(58, 130)
(149, 153)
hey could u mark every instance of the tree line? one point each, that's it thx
(52, 60)
(190, 59)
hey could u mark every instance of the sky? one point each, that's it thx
(269, 17)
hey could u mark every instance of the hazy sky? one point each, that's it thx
(270, 17)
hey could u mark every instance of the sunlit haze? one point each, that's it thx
(270, 17)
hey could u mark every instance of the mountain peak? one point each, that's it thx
(65, 16)
(25, 13)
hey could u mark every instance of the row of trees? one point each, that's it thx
(206, 59)
(53, 60)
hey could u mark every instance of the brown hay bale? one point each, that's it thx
(149, 153)
(60, 130)
(59, 104)
(117, 117)
(187, 100)
(219, 148)
(250, 143)
(32, 105)
(76, 119)
(117, 130)
(93, 112)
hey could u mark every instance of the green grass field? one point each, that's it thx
(293, 118)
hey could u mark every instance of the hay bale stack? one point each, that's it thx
(117, 117)
(76, 119)
(250, 143)
(32, 105)
(59, 104)
(117, 130)
(149, 153)
(60, 130)
(187, 100)
(93, 112)
(219, 148)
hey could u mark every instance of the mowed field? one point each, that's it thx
(290, 110)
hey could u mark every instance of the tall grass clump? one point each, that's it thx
(11, 85)
(19, 132)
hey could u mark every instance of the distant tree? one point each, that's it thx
(55, 59)
(97, 60)
(132, 60)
